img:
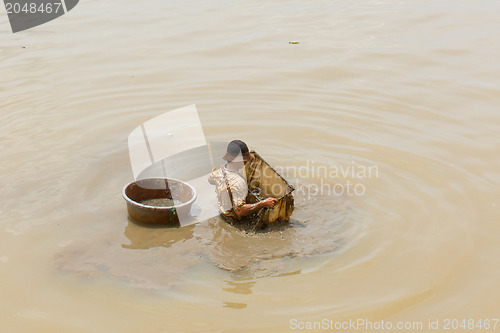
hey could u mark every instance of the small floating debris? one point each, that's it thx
(293, 42)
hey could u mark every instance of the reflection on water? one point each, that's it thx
(239, 287)
(235, 305)
(146, 237)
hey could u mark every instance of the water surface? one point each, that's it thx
(411, 88)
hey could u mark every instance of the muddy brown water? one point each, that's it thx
(409, 89)
(213, 242)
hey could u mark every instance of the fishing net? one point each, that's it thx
(264, 182)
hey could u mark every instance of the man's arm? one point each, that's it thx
(248, 209)
(211, 179)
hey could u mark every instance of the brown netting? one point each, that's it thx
(264, 182)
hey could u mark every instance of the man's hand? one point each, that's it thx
(269, 202)
(248, 209)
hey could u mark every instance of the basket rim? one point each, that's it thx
(160, 208)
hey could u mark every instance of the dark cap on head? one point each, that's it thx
(237, 151)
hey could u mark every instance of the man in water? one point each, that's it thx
(232, 188)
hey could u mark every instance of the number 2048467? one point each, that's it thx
(470, 324)
(33, 8)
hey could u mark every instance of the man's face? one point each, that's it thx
(240, 165)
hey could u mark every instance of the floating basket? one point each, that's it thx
(182, 194)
